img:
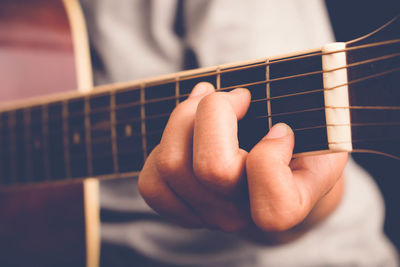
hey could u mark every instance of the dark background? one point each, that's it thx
(352, 19)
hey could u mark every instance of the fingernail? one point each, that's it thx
(278, 131)
(239, 91)
(199, 89)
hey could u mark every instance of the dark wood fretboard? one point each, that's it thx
(110, 132)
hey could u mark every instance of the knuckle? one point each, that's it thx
(169, 164)
(211, 100)
(276, 221)
(215, 172)
(146, 189)
(185, 108)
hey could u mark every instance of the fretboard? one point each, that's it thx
(110, 131)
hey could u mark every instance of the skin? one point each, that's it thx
(199, 177)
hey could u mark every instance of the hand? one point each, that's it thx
(199, 177)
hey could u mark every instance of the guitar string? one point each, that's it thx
(174, 98)
(385, 57)
(165, 115)
(137, 150)
(261, 82)
(321, 53)
(264, 63)
(271, 98)
(107, 124)
(108, 139)
(305, 148)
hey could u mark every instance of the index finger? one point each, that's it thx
(217, 160)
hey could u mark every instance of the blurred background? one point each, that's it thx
(352, 19)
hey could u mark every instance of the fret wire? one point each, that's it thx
(12, 142)
(340, 85)
(122, 106)
(268, 88)
(261, 117)
(143, 116)
(88, 137)
(67, 159)
(113, 120)
(280, 79)
(363, 78)
(45, 129)
(218, 81)
(262, 63)
(177, 91)
(184, 77)
(272, 115)
(28, 144)
(369, 124)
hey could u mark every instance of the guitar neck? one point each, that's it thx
(110, 132)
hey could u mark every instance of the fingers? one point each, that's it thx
(274, 197)
(316, 175)
(176, 143)
(284, 191)
(217, 160)
(158, 196)
(171, 165)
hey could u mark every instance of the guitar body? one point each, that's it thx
(40, 225)
(43, 226)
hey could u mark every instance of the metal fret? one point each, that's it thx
(28, 144)
(143, 117)
(312, 138)
(218, 82)
(67, 160)
(129, 134)
(88, 137)
(45, 132)
(177, 93)
(187, 85)
(114, 132)
(101, 134)
(268, 94)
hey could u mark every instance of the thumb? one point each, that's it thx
(276, 203)
(280, 140)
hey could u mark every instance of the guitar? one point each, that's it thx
(332, 97)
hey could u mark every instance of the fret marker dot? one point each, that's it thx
(76, 138)
(36, 144)
(128, 130)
